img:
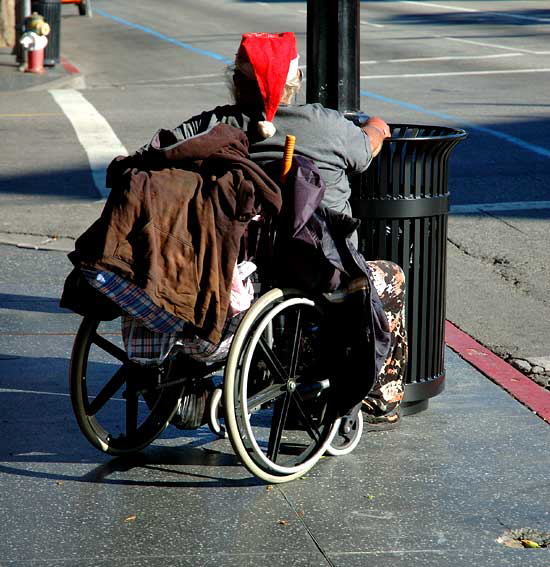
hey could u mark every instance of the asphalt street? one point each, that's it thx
(482, 66)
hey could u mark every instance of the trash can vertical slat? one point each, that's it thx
(442, 286)
(394, 244)
(413, 301)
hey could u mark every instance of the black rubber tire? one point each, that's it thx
(345, 442)
(272, 369)
(107, 393)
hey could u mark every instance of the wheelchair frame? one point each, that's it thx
(278, 412)
(276, 396)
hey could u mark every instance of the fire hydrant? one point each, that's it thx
(34, 41)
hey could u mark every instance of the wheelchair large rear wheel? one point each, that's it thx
(277, 395)
(108, 391)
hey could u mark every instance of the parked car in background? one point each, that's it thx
(84, 6)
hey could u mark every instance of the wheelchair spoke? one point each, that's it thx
(109, 347)
(296, 345)
(279, 411)
(280, 415)
(273, 361)
(305, 418)
(108, 391)
(269, 394)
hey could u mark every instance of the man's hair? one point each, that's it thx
(246, 93)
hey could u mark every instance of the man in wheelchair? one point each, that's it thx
(265, 80)
(189, 217)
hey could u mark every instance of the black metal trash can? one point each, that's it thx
(51, 10)
(403, 202)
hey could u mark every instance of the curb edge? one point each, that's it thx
(519, 386)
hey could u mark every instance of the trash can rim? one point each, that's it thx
(360, 118)
(453, 133)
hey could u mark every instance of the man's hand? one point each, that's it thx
(377, 130)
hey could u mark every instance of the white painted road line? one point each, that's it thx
(516, 206)
(365, 23)
(443, 58)
(93, 132)
(456, 74)
(40, 393)
(32, 392)
(455, 57)
(462, 9)
(431, 5)
(495, 45)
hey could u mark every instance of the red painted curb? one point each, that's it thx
(523, 389)
(69, 67)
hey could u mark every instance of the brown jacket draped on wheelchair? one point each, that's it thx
(173, 225)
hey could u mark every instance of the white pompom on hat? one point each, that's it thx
(271, 59)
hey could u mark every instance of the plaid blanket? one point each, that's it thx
(149, 332)
(134, 301)
(148, 347)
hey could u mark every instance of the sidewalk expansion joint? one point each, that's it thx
(38, 242)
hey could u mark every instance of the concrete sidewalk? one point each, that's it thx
(440, 490)
(13, 80)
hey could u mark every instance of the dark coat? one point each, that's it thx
(314, 252)
(173, 223)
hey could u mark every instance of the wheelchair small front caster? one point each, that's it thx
(348, 435)
(213, 414)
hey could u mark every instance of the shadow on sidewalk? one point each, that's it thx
(31, 303)
(37, 427)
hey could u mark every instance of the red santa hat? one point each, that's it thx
(271, 59)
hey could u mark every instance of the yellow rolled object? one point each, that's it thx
(290, 142)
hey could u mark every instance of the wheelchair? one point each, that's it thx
(276, 399)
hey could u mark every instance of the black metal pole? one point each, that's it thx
(333, 54)
(22, 12)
